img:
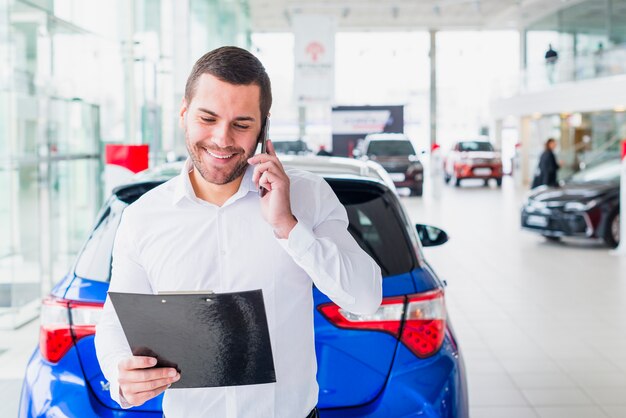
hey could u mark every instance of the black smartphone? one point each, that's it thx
(265, 129)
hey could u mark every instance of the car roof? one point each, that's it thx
(387, 137)
(331, 167)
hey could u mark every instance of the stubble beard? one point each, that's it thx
(217, 176)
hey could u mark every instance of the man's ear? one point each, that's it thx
(183, 113)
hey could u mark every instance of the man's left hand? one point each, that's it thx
(276, 204)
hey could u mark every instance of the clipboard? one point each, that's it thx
(212, 339)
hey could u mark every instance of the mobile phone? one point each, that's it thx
(263, 141)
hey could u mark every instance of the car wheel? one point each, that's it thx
(486, 182)
(457, 182)
(417, 191)
(612, 229)
(446, 178)
(550, 238)
(499, 181)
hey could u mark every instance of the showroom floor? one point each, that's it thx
(542, 326)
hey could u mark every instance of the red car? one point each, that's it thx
(473, 160)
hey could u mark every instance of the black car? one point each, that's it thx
(587, 205)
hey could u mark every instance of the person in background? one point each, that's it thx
(548, 166)
(323, 152)
(551, 58)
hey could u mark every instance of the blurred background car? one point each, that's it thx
(587, 205)
(395, 152)
(403, 360)
(473, 160)
(291, 147)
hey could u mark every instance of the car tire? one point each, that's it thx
(550, 238)
(499, 181)
(486, 182)
(446, 178)
(457, 182)
(612, 228)
(417, 191)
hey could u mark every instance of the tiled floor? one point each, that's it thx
(542, 326)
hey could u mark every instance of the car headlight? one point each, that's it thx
(578, 206)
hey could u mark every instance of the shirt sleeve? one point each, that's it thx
(127, 275)
(323, 247)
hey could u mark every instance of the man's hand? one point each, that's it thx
(139, 383)
(276, 204)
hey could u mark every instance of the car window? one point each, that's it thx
(607, 171)
(375, 224)
(475, 146)
(377, 227)
(390, 148)
(290, 147)
(94, 261)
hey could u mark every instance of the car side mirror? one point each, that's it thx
(431, 236)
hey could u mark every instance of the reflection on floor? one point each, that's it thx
(542, 326)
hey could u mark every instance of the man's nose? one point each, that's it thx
(221, 135)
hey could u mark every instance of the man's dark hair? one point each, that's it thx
(548, 143)
(235, 66)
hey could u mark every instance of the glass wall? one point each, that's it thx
(75, 75)
(583, 139)
(589, 38)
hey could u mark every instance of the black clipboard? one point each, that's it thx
(212, 339)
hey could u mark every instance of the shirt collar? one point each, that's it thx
(184, 189)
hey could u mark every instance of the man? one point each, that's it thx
(209, 229)
(551, 57)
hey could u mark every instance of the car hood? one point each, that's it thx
(573, 192)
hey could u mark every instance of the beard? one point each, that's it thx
(218, 174)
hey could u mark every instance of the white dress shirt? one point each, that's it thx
(169, 240)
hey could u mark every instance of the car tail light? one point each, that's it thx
(419, 320)
(64, 322)
(425, 323)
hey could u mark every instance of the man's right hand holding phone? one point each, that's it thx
(140, 382)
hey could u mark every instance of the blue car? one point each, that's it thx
(402, 361)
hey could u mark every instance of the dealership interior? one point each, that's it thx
(537, 304)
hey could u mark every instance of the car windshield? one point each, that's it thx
(391, 148)
(290, 147)
(607, 171)
(375, 224)
(475, 146)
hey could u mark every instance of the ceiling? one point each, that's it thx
(403, 15)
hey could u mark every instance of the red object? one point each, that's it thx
(133, 157)
(434, 147)
(59, 333)
(623, 148)
(417, 320)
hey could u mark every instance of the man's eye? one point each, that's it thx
(239, 126)
(208, 119)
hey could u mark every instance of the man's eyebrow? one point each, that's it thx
(238, 118)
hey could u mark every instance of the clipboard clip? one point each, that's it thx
(186, 292)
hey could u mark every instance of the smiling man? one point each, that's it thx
(209, 229)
